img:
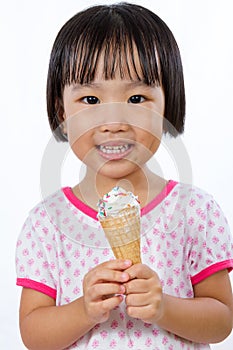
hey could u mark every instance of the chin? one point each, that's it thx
(117, 171)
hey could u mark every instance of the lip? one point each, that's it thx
(114, 150)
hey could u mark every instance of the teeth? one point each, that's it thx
(114, 149)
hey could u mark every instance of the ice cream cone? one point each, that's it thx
(123, 233)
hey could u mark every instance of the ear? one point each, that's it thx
(63, 125)
(61, 117)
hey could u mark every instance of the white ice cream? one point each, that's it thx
(115, 201)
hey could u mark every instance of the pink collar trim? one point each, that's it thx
(93, 213)
(159, 198)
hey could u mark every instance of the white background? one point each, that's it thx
(203, 29)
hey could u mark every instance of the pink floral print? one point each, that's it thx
(184, 238)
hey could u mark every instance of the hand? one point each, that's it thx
(103, 287)
(144, 298)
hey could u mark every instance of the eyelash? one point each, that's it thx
(95, 100)
(136, 96)
(91, 100)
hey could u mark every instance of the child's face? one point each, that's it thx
(113, 148)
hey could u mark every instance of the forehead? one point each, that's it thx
(124, 65)
(112, 58)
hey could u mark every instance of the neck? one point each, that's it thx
(143, 183)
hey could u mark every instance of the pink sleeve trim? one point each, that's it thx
(39, 287)
(210, 270)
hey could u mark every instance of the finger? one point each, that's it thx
(140, 271)
(103, 273)
(116, 264)
(136, 286)
(99, 311)
(142, 312)
(137, 299)
(98, 291)
(106, 275)
(110, 303)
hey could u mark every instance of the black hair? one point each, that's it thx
(114, 30)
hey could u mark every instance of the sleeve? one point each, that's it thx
(35, 258)
(210, 242)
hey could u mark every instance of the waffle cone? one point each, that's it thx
(123, 234)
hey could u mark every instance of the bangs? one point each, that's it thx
(117, 46)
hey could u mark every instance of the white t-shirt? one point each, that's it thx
(184, 238)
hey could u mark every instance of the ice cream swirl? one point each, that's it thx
(115, 201)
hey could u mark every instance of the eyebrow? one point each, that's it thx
(85, 85)
(138, 83)
(130, 84)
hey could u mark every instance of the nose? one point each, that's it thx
(114, 127)
(113, 117)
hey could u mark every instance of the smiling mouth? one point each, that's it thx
(114, 151)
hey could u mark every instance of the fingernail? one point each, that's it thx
(120, 297)
(127, 262)
(124, 276)
(122, 289)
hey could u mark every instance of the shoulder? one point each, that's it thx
(193, 196)
(200, 209)
(54, 199)
(194, 204)
(45, 213)
(60, 218)
(37, 234)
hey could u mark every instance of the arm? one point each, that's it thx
(45, 326)
(206, 318)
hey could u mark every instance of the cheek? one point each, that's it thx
(155, 144)
(150, 142)
(80, 136)
(151, 131)
(82, 147)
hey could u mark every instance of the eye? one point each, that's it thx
(91, 100)
(136, 99)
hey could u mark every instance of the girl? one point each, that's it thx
(115, 77)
